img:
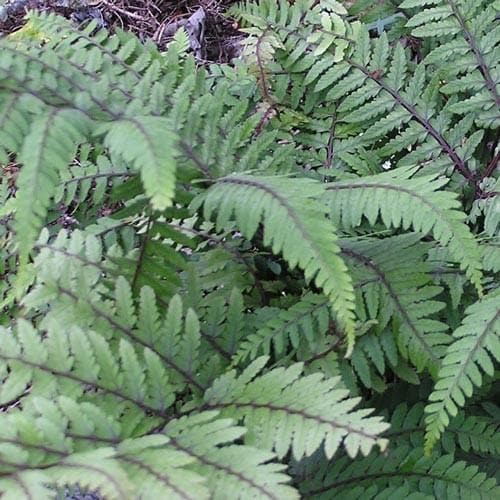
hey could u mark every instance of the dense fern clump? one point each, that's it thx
(271, 279)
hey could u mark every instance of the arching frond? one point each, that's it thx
(270, 406)
(47, 150)
(476, 345)
(394, 286)
(403, 200)
(149, 144)
(295, 224)
(403, 472)
(243, 471)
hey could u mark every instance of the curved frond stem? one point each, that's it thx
(394, 296)
(223, 468)
(107, 175)
(445, 146)
(291, 411)
(84, 382)
(472, 42)
(320, 257)
(128, 332)
(78, 257)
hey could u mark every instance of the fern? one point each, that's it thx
(471, 51)
(47, 149)
(149, 146)
(388, 194)
(475, 343)
(393, 287)
(299, 230)
(404, 472)
(237, 468)
(271, 414)
(308, 318)
(465, 432)
(276, 278)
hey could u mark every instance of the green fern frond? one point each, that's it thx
(369, 91)
(62, 442)
(149, 144)
(403, 471)
(90, 178)
(14, 121)
(309, 318)
(295, 224)
(394, 282)
(81, 360)
(476, 342)
(471, 53)
(47, 150)
(403, 200)
(67, 454)
(491, 256)
(471, 434)
(173, 337)
(243, 472)
(272, 404)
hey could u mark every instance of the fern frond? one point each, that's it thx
(243, 472)
(47, 150)
(90, 178)
(476, 342)
(308, 318)
(148, 143)
(173, 337)
(81, 360)
(284, 410)
(369, 91)
(402, 472)
(295, 224)
(471, 434)
(491, 256)
(14, 121)
(403, 200)
(60, 442)
(472, 51)
(394, 282)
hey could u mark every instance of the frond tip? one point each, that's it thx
(283, 409)
(295, 224)
(403, 199)
(148, 143)
(476, 342)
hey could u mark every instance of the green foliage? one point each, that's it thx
(271, 279)
(290, 214)
(429, 211)
(475, 344)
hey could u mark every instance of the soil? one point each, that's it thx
(148, 19)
